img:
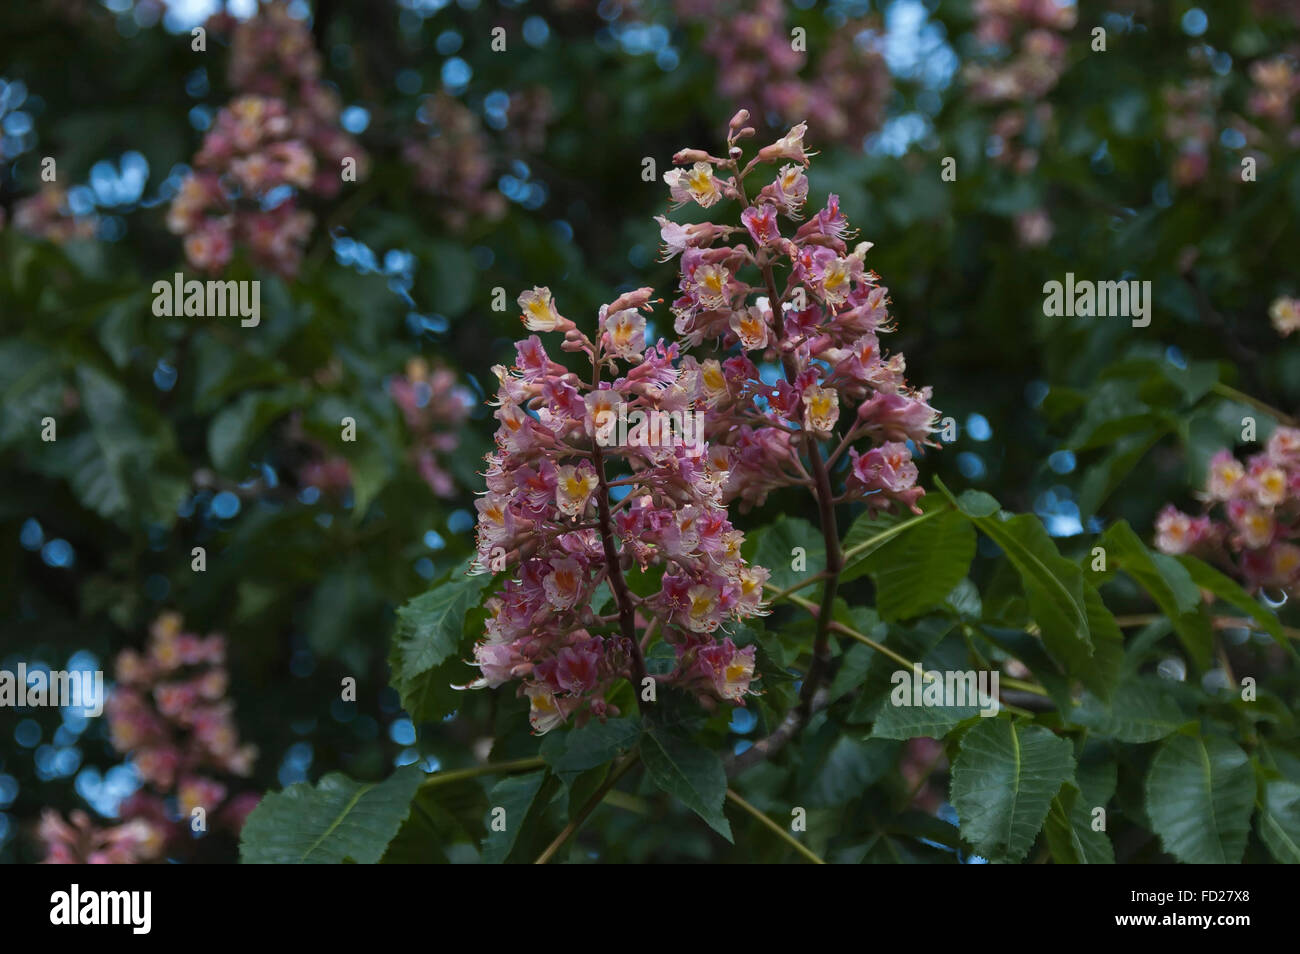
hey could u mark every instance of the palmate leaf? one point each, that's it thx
(916, 570)
(337, 820)
(1003, 783)
(1279, 820)
(520, 796)
(840, 769)
(689, 772)
(446, 823)
(1054, 587)
(912, 722)
(426, 650)
(1070, 836)
(1143, 709)
(125, 467)
(1199, 795)
(774, 546)
(1168, 583)
(238, 425)
(578, 750)
(1232, 593)
(1069, 830)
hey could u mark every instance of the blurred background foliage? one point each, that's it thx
(488, 169)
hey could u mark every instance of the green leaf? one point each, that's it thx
(913, 722)
(854, 664)
(916, 641)
(1101, 671)
(1101, 479)
(867, 534)
(454, 278)
(571, 753)
(1231, 592)
(1003, 783)
(1141, 710)
(371, 468)
(443, 815)
(1164, 579)
(1069, 833)
(1053, 585)
(774, 547)
(517, 795)
(848, 768)
(976, 504)
(427, 642)
(236, 426)
(1199, 797)
(1279, 820)
(1168, 583)
(126, 466)
(31, 387)
(917, 569)
(1030, 651)
(689, 772)
(338, 820)
(1111, 412)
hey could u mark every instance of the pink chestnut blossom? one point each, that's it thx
(1251, 523)
(549, 518)
(168, 714)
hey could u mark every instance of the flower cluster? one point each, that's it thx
(1285, 315)
(823, 328)
(1196, 119)
(247, 156)
(318, 466)
(564, 526)
(1277, 8)
(1190, 124)
(1026, 45)
(549, 516)
(1251, 523)
(455, 161)
(46, 215)
(276, 141)
(1036, 30)
(434, 406)
(169, 714)
(272, 54)
(1028, 41)
(758, 67)
(79, 841)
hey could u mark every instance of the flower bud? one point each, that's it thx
(687, 156)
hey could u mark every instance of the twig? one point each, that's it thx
(765, 748)
(590, 806)
(492, 768)
(780, 832)
(1241, 397)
